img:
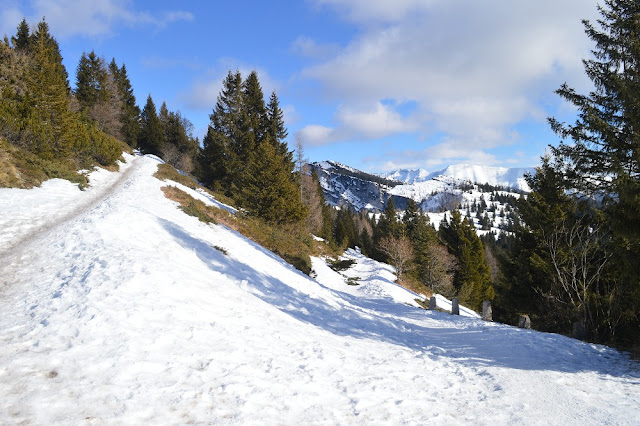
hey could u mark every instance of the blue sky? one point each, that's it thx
(375, 84)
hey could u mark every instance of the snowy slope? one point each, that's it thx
(117, 308)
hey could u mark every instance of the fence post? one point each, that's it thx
(486, 310)
(455, 307)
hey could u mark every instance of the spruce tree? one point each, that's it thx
(130, 112)
(228, 148)
(255, 108)
(276, 128)
(151, 134)
(49, 116)
(269, 191)
(47, 41)
(602, 156)
(472, 278)
(22, 41)
(91, 81)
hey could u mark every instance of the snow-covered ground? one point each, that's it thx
(118, 308)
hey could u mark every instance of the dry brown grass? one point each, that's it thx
(20, 168)
(290, 242)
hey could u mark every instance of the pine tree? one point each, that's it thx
(49, 118)
(47, 41)
(270, 191)
(276, 128)
(604, 154)
(151, 134)
(602, 157)
(22, 41)
(472, 278)
(130, 112)
(91, 81)
(388, 223)
(228, 148)
(255, 108)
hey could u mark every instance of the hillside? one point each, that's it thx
(119, 308)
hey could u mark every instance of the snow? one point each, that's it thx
(495, 176)
(118, 308)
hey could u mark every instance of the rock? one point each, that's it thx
(524, 321)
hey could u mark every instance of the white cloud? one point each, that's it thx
(315, 134)
(307, 47)
(361, 123)
(68, 18)
(474, 69)
(433, 158)
(378, 10)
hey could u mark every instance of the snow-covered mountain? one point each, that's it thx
(346, 186)
(495, 176)
(118, 308)
(350, 187)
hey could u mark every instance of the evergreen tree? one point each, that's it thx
(228, 146)
(22, 41)
(130, 112)
(602, 157)
(91, 81)
(388, 223)
(604, 154)
(269, 190)
(255, 108)
(50, 119)
(46, 40)
(276, 128)
(151, 133)
(472, 278)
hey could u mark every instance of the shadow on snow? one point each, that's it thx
(471, 342)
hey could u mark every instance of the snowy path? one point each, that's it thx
(130, 313)
(24, 215)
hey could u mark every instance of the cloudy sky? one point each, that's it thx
(375, 84)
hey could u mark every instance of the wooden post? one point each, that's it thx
(455, 307)
(432, 302)
(486, 310)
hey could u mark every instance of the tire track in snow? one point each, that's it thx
(16, 248)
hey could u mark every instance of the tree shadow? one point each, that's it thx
(468, 341)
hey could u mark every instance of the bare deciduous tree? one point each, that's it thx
(399, 251)
(308, 190)
(439, 267)
(578, 261)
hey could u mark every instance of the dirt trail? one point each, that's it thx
(86, 205)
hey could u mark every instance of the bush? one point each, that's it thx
(341, 265)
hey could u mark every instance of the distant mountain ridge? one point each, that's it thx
(353, 188)
(495, 176)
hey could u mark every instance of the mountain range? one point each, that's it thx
(349, 187)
